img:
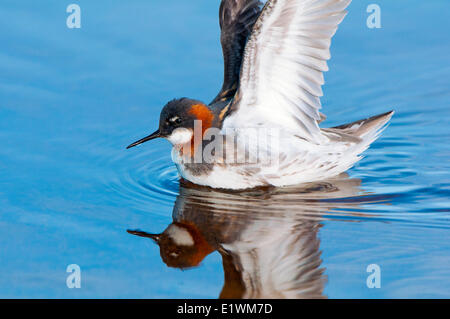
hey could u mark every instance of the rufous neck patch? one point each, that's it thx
(204, 114)
(201, 113)
(203, 248)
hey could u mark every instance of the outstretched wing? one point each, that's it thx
(236, 18)
(281, 77)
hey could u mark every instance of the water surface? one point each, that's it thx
(71, 100)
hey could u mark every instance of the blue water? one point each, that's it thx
(72, 99)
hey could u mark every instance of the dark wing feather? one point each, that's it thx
(236, 18)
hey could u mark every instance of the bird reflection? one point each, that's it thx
(268, 238)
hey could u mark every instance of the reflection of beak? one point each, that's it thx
(155, 237)
(145, 139)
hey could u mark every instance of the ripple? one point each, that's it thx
(158, 176)
(145, 179)
(142, 177)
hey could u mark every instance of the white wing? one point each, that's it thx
(281, 77)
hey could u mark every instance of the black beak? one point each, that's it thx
(155, 237)
(145, 139)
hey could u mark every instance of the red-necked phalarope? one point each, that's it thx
(274, 59)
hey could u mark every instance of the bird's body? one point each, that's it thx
(296, 160)
(263, 126)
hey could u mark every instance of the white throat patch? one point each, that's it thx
(180, 236)
(180, 136)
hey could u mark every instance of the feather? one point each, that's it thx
(281, 76)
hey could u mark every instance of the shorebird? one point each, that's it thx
(268, 239)
(274, 59)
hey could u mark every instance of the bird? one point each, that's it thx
(268, 240)
(262, 128)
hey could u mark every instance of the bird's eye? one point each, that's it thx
(175, 120)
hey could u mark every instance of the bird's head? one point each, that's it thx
(177, 121)
(181, 245)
